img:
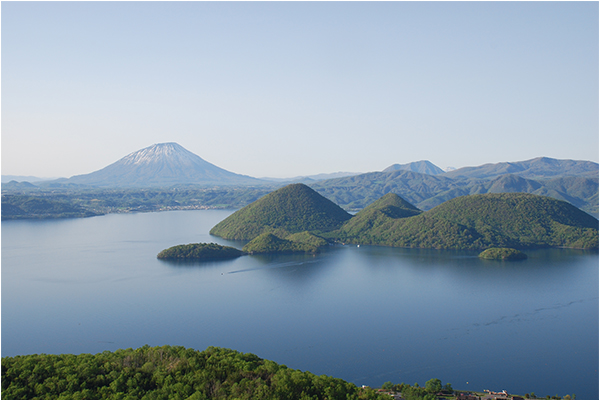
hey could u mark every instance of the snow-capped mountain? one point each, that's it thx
(162, 164)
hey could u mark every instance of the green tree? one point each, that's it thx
(433, 385)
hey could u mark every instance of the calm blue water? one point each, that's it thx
(366, 315)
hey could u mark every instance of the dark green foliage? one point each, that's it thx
(503, 253)
(389, 207)
(199, 251)
(416, 393)
(291, 209)
(479, 221)
(166, 373)
(433, 385)
(299, 242)
(393, 206)
(307, 238)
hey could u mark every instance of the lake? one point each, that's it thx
(364, 314)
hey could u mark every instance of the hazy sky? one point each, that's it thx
(297, 88)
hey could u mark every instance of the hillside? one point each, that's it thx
(30, 207)
(516, 220)
(423, 167)
(302, 242)
(291, 209)
(427, 191)
(390, 206)
(167, 372)
(162, 164)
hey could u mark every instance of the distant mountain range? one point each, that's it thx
(24, 178)
(427, 191)
(537, 168)
(421, 183)
(312, 178)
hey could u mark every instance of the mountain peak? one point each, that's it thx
(422, 167)
(161, 151)
(290, 209)
(162, 164)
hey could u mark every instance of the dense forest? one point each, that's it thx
(305, 242)
(291, 209)
(167, 372)
(517, 220)
(199, 251)
(475, 222)
(502, 253)
(176, 372)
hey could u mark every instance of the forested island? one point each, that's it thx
(474, 222)
(199, 251)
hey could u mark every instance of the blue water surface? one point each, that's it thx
(364, 314)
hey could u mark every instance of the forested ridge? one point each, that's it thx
(89, 202)
(517, 220)
(475, 222)
(427, 191)
(26, 207)
(167, 372)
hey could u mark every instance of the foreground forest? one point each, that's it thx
(176, 372)
(166, 372)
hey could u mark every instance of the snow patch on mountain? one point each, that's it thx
(161, 152)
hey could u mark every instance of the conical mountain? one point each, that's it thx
(390, 206)
(162, 164)
(392, 201)
(291, 209)
(422, 167)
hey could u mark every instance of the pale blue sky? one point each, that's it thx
(298, 88)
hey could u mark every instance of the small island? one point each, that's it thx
(199, 251)
(502, 253)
